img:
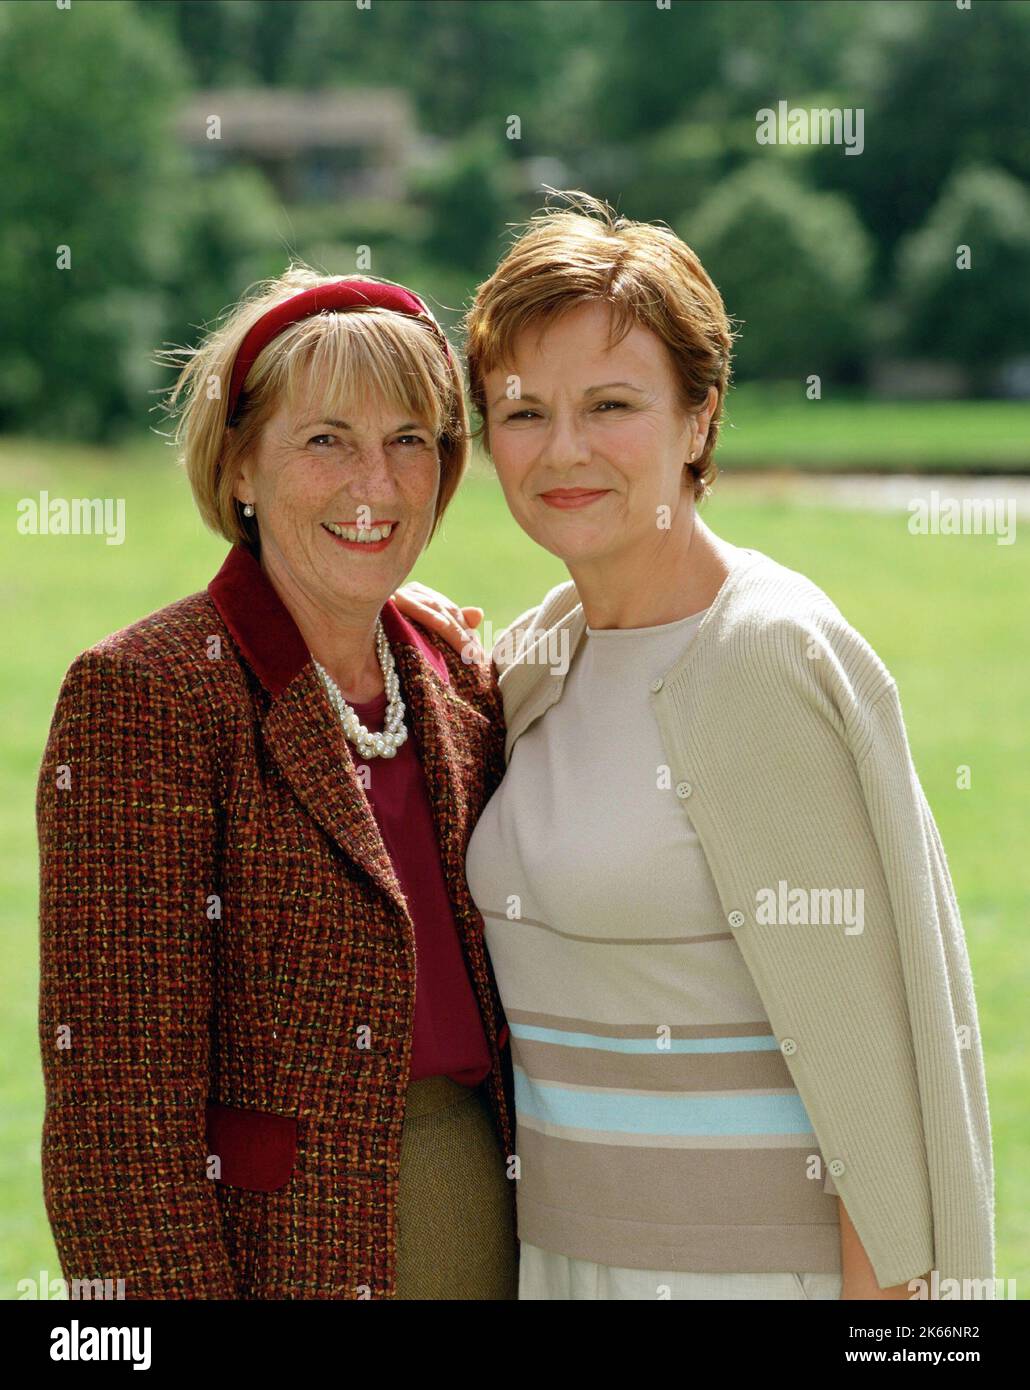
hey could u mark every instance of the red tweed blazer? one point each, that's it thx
(227, 959)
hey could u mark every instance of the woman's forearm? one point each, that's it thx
(859, 1280)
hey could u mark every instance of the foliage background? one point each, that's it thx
(842, 267)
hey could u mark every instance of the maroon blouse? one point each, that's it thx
(449, 1039)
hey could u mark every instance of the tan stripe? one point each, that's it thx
(622, 1139)
(675, 1072)
(712, 1249)
(733, 1185)
(662, 1093)
(639, 1030)
(697, 937)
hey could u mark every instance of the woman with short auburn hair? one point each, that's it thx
(746, 1051)
(272, 1046)
(645, 274)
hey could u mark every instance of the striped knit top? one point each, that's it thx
(658, 1126)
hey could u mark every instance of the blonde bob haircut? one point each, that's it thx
(651, 278)
(354, 352)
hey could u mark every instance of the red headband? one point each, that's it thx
(337, 294)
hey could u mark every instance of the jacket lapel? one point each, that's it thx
(453, 743)
(303, 735)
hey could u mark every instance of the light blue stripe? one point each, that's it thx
(650, 1114)
(643, 1046)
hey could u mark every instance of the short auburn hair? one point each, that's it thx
(351, 350)
(587, 252)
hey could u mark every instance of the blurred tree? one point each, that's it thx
(942, 88)
(88, 165)
(467, 199)
(463, 62)
(228, 42)
(201, 30)
(708, 59)
(228, 231)
(677, 165)
(792, 264)
(981, 315)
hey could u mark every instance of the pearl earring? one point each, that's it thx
(248, 509)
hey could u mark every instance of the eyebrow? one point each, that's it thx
(343, 425)
(590, 391)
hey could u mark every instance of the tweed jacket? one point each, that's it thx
(786, 746)
(227, 957)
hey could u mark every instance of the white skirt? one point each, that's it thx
(544, 1274)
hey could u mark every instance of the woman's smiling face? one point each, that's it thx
(371, 465)
(590, 441)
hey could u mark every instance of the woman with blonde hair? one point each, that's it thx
(745, 1041)
(273, 1050)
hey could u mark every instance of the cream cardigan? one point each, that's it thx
(784, 733)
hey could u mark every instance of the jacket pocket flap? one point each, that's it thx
(256, 1150)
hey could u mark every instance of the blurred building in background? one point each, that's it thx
(311, 146)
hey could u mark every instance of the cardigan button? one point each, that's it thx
(736, 919)
(788, 1047)
(657, 684)
(683, 790)
(836, 1167)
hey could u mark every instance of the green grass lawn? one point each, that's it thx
(946, 613)
(776, 427)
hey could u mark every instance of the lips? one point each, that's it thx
(372, 538)
(570, 498)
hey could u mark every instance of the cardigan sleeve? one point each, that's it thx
(941, 1002)
(127, 827)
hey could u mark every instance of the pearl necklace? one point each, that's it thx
(394, 732)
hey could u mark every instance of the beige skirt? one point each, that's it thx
(455, 1221)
